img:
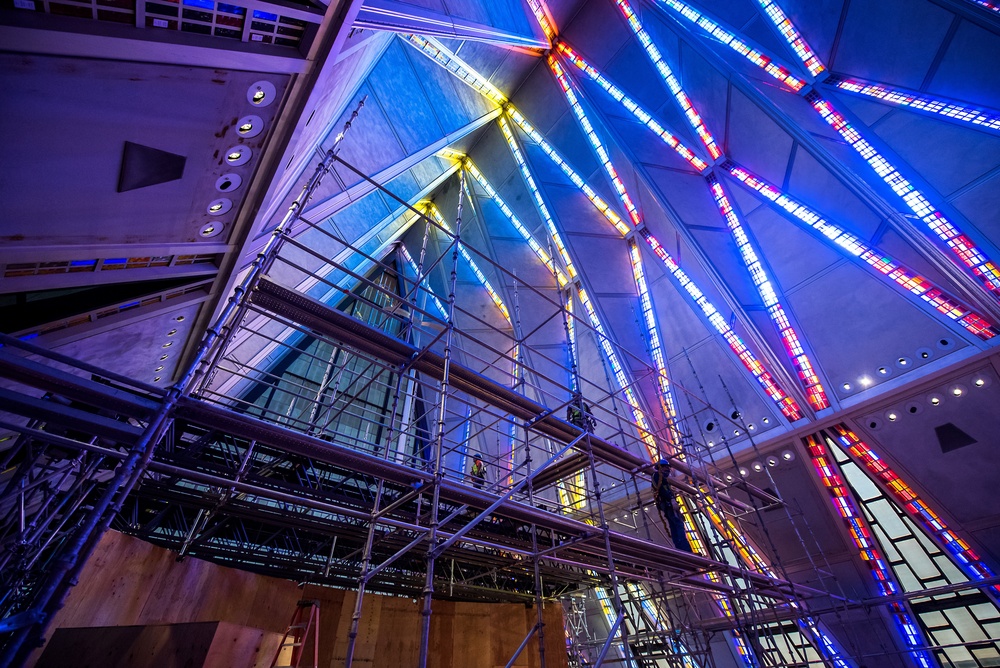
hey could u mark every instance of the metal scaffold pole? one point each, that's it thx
(432, 535)
(84, 539)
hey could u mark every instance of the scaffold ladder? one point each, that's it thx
(305, 619)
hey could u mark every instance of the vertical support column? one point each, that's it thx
(425, 631)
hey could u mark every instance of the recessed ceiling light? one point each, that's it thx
(751, 427)
(882, 371)
(865, 381)
(211, 229)
(238, 155)
(171, 332)
(163, 357)
(228, 182)
(249, 126)
(179, 318)
(168, 344)
(766, 420)
(935, 401)
(261, 93)
(743, 472)
(159, 368)
(847, 386)
(892, 417)
(757, 466)
(979, 382)
(156, 380)
(788, 455)
(957, 391)
(217, 207)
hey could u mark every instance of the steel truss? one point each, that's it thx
(309, 442)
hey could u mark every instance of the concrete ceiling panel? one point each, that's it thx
(793, 254)
(756, 141)
(857, 326)
(820, 190)
(134, 348)
(631, 70)
(948, 156)
(892, 41)
(975, 202)
(955, 480)
(968, 69)
(63, 107)
(404, 103)
(600, 29)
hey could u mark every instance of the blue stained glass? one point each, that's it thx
(83, 263)
(116, 260)
(204, 4)
(231, 9)
(257, 14)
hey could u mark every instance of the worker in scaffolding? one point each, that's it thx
(478, 472)
(578, 414)
(665, 504)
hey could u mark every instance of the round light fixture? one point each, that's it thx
(788, 455)
(757, 466)
(228, 182)
(159, 368)
(249, 126)
(238, 155)
(766, 420)
(772, 461)
(163, 357)
(167, 344)
(171, 332)
(891, 416)
(211, 229)
(945, 344)
(744, 472)
(935, 399)
(261, 93)
(217, 207)
(847, 386)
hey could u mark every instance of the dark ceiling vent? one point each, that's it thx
(146, 166)
(951, 437)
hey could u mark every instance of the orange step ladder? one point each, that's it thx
(298, 631)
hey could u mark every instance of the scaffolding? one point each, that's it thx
(323, 430)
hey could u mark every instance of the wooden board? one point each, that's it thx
(194, 645)
(132, 584)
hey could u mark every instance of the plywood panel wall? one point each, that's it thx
(129, 582)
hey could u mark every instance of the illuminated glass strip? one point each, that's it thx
(522, 230)
(529, 180)
(800, 360)
(987, 118)
(543, 16)
(595, 142)
(792, 36)
(844, 504)
(668, 76)
(494, 295)
(413, 265)
(655, 349)
(884, 265)
(602, 155)
(618, 371)
(578, 485)
(787, 404)
(729, 38)
(962, 554)
(498, 301)
(612, 617)
(577, 180)
(967, 252)
(751, 558)
(987, 4)
(641, 114)
(442, 56)
(649, 611)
